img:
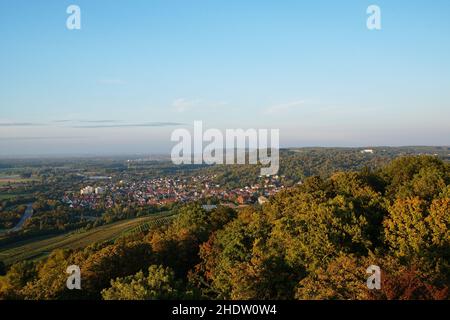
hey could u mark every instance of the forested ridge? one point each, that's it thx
(311, 241)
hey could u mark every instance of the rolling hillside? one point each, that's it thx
(35, 249)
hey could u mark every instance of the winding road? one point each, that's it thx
(27, 215)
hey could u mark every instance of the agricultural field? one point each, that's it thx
(14, 183)
(38, 249)
(14, 179)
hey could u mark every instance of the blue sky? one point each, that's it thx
(137, 70)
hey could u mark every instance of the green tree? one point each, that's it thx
(413, 229)
(342, 279)
(158, 284)
(415, 176)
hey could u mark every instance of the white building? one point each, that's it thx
(367, 151)
(87, 190)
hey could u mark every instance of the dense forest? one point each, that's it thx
(312, 241)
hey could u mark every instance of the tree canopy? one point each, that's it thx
(311, 241)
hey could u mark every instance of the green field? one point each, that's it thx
(14, 180)
(7, 196)
(39, 248)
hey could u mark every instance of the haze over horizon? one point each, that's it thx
(134, 73)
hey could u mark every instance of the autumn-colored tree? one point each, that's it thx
(342, 279)
(178, 245)
(407, 279)
(428, 183)
(267, 276)
(311, 241)
(18, 276)
(98, 266)
(345, 279)
(414, 230)
(118, 260)
(50, 280)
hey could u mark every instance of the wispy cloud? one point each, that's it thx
(129, 125)
(86, 121)
(183, 104)
(61, 121)
(40, 138)
(18, 124)
(99, 121)
(284, 107)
